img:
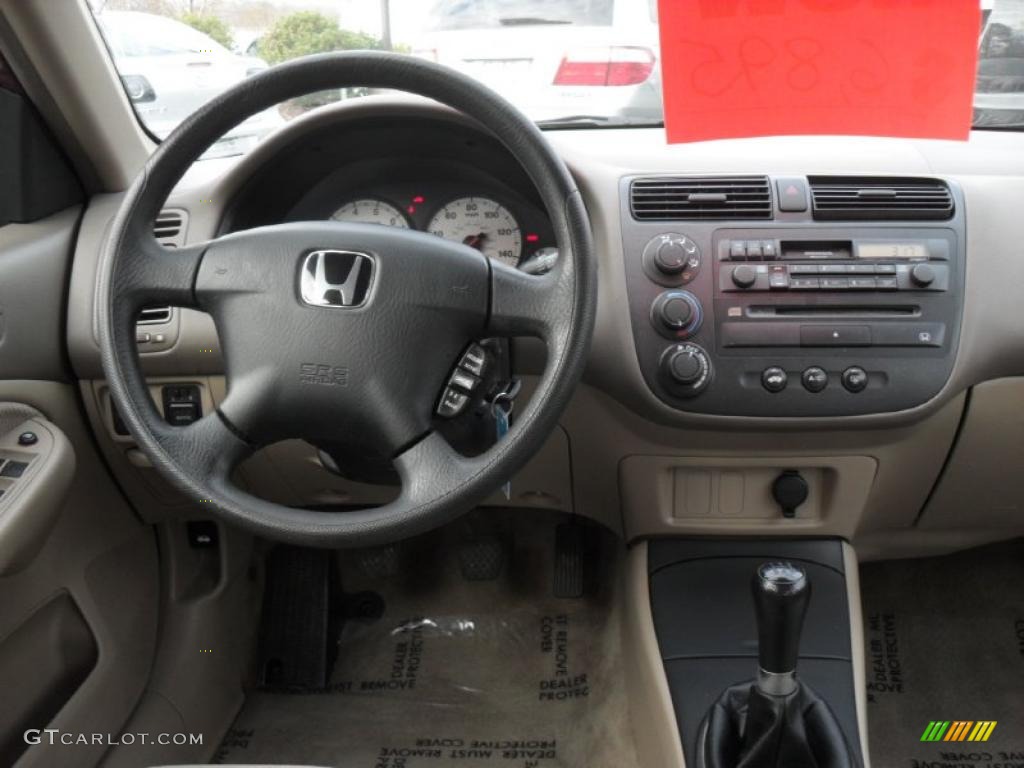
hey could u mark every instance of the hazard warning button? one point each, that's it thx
(792, 194)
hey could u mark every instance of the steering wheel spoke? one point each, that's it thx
(427, 466)
(208, 450)
(150, 274)
(523, 304)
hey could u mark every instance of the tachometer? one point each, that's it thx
(371, 211)
(480, 223)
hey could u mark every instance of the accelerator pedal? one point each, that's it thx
(571, 549)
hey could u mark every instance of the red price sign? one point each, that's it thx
(733, 68)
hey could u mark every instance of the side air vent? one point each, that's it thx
(706, 197)
(853, 198)
(169, 227)
(155, 315)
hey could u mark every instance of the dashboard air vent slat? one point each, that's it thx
(154, 315)
(169, 227)
(709, 197)
(838, 198)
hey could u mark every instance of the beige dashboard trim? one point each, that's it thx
(857, 651)
(652, 716)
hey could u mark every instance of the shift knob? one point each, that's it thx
(781, 594)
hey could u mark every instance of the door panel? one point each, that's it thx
(78, 570)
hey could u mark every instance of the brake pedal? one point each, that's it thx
(379, 562)
(295, 649)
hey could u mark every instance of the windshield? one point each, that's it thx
(563, 62)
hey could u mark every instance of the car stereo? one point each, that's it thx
(789, 312)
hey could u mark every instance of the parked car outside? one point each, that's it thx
(170, 69)
(999, 89)
(555, 59)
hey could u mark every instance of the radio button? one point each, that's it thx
(835, 336)
(835, 269)
(922, 275)
(804, 283)
(863, 283)
(909, 334)
(835, 283)
(778, 281)
(768, 249)
(887, 283)
(754, 250)
(814, 379)
(804, 269)
(855, 379)
(737, 250)
(744, 277)
(863, 269)
(885, 269)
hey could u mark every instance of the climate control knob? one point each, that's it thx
(687, 369)
(677, 314)
(671, 259)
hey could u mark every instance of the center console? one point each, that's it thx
(772, 296)
(719, 643)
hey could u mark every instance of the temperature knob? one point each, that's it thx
(677, 314)
(687, 368)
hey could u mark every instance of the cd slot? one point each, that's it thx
(832, 310)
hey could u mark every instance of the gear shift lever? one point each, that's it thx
(777, 721)
(781, 594)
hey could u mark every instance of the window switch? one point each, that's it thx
(182, 404)
(14, 469)
(182, 414)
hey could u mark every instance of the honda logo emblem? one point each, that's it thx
(336, 278)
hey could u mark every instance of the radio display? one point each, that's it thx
(892, 250)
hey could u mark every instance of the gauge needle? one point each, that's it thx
(475, 241)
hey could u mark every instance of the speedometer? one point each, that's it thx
(371, 211)
(483, 224)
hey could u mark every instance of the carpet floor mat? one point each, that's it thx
(457, 671)
(945, 647)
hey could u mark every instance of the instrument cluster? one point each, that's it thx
(497, 222)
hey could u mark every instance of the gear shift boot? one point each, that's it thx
(775, 721)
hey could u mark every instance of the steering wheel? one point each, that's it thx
(344, 332)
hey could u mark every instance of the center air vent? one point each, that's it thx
(858, 198)
(169, 227)
(705, 197)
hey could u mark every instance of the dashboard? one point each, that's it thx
(715, 362)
